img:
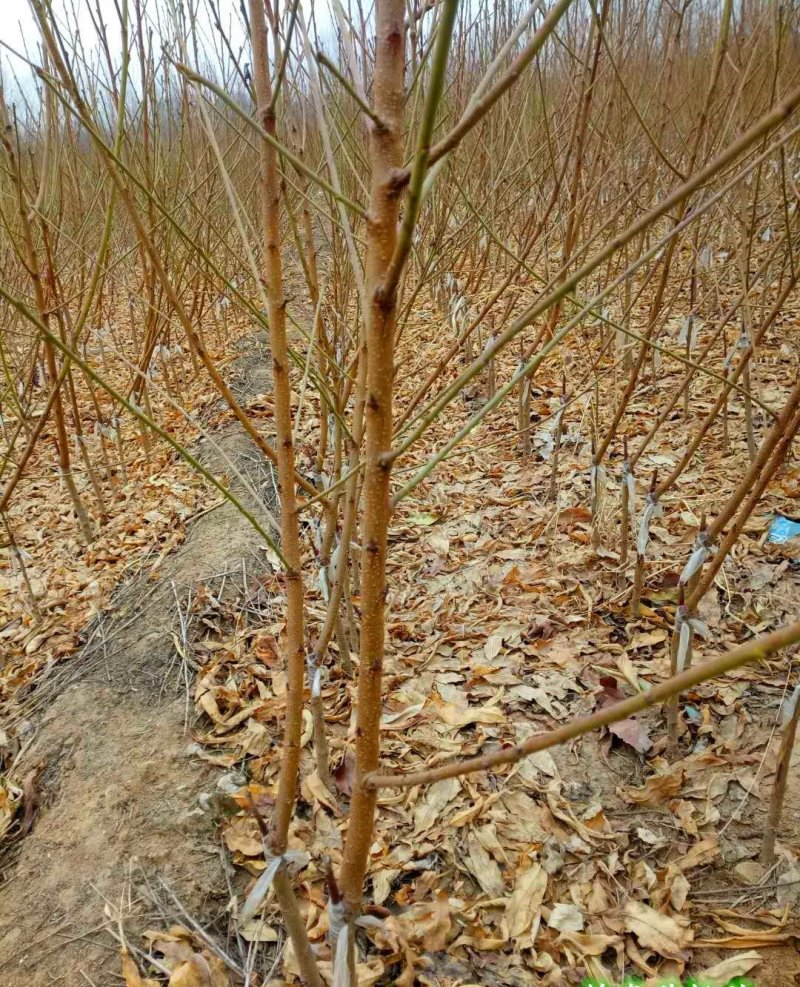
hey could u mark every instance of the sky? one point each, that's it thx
(18, 27)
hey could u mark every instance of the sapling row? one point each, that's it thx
(549, 190)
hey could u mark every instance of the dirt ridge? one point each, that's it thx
(119, 788)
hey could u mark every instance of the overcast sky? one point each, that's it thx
(18, 27)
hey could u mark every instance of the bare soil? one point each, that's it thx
(119, 816)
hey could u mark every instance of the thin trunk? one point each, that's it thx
(294, 643)
(386, 152)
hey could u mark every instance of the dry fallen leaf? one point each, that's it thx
(203, 970)
(566, 918)
(733, 966)
(462, 716)
(313, 787)
(190, 974)
(483, 867)
(172, 948)
(428, 811)
(257, 930)
(345, 773)
(657, 788)
(435, 932)
(11, 796)
(589, 944)
(633, 733)
(242, 835)
(678, 885)
(131, 974)
(523, 912)
(701, 853)
(666, 935)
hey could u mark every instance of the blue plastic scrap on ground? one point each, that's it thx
(783, 529)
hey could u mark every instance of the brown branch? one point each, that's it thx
(477, 111)
(756, 650)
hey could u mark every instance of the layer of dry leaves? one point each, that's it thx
(602, 858)
(599, 859)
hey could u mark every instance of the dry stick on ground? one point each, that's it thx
(294, 643)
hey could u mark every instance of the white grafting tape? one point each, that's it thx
(256, 897)
(790, 706)
(651, 510)
(695, 562)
